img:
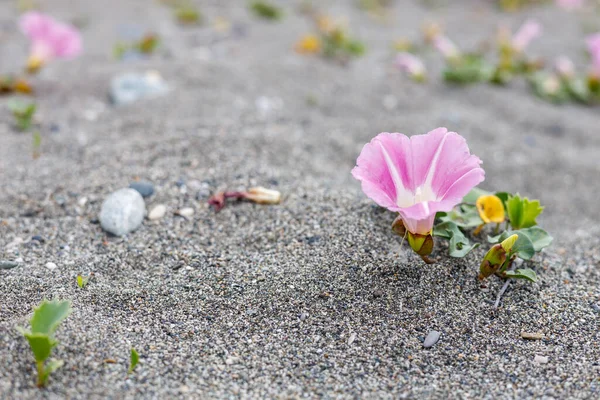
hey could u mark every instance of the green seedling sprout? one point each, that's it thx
(23, 113)
(46, 318)
(82, 282)
(134, 358)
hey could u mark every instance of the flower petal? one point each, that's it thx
(55, 38)
(419, 218)
(382, 167)
(445, 165)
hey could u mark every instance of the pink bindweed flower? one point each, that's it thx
(412, 65)
(593, 45)
(526, 33)
(50, 39)
(446, 47)
(570, 4)
(418, 176)
(564, 67)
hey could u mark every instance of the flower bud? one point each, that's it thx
(421, 244)
(496, 257)
(398, 226)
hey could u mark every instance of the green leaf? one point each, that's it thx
(81, 281)
(355, 47)
(539, 237)
(134, 358)
(474, 194)
(41, 345)
(469, 69)
(52, 366)
(48, 315)
(458, 245)
(266, 10)
(504, 196)
(465, 216)
(526, 273)
(522, 212)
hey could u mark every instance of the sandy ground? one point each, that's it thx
(315, 297)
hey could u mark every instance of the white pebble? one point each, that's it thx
(157, 212)
(186, 212)
(51, 266)
(540, 359)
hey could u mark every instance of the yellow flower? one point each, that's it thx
(308, 44)
(490, 209)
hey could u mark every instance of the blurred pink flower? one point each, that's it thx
(49, 38)
(564, 67)
(418, 177)
(530, 30)
(411, 64)
(446, 47)
(570, 4)
(593, 46)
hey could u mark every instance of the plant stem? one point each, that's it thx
(41, 373)
(501, 292)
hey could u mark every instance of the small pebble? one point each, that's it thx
(51, 266)
(352, 338)
(157, 212)
(186, 212)
(431, 339)
(82, 201)
(122, 212)
(145, 188)
(540, 359)
(131, 87)
(5, 264)
(532, 336)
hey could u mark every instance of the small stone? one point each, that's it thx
(352, 338)
(145, 188)
(251, 311)
(157, 212)
(186, 212)
(231, 360)
(303, 316)
(431, 339)
(131, 87)
(122, 212)
(5, 264)
(532, 335)
(82, 201)
(15, 242)
(38, 238)
(540, 359)
(51, 266)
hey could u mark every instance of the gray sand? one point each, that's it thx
(314, 297)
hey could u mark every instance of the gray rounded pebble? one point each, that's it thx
(4, 264)
(145, 188)
(431, 339)
(122, 212)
